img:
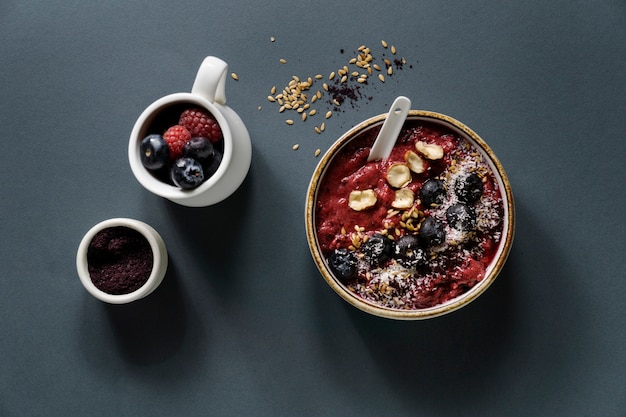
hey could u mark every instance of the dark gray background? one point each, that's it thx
(243, 323)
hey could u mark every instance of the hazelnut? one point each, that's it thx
(398, 175)
(431, 151)
(404, 199)
(361, 199)
(415, 163)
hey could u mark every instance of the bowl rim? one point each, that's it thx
(440, 309)
(159, 260)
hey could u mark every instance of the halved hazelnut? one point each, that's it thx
(398, 175)
(431, 151)
(415, 163)
(404, 199)
(361, 199)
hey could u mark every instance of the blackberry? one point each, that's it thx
(433, 192)
(469, 189)
(343, 264)
(377, 249)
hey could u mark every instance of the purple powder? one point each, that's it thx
(119, 260)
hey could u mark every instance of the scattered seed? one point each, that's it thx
(271, 98)
(323, 126)
(344, 78)
(317, 152)
(303, 117)
(234, 76)
(325, 87)
(381, 77)
(313, 112)
(383, 43)
(390, 70)
(259, 108)
(272, 39)
(328, 114)
(332, 75)
(377, 67)
(295, 147)
(317, 130)
(283, 61)
(273, 90)
(289, 121)
(393, 49)
(319, 76)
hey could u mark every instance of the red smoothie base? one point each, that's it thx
(413, 269)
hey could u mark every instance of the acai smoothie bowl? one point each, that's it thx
(416, 235)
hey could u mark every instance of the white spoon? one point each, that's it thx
(391, 129)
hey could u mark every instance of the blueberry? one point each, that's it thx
(343, 263)
(154, 152)
(461, 217)
(469, 189)
(432, 232)
(187, 173)
(377, 249)
(408, 252)
(433, 192)
(198, 148)
(211, 165)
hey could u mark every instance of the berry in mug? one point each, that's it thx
(184, 146)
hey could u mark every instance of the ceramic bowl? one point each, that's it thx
(159, 266)
(448, 306)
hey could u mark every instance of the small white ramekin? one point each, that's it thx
(159, 266)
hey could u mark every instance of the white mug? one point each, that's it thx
(208, 92)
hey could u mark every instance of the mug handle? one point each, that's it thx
(211, 80)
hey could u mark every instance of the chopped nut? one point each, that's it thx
(398, 175)
(361, 199)
(415, 163)
(429, 150)
(404, 198)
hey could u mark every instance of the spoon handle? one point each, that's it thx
(388, 134)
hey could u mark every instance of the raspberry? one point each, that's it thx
(176, 137)
(200, 122)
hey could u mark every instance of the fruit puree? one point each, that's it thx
(409, 241)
